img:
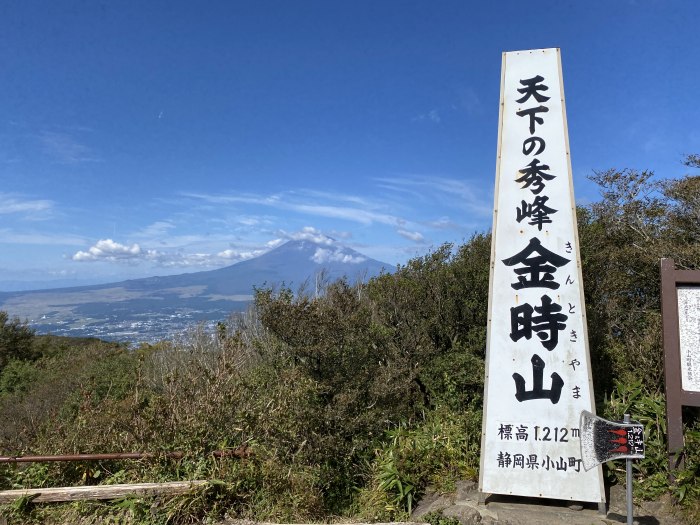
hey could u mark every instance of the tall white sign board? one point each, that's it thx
(538, 377)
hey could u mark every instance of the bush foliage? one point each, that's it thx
(348, 401)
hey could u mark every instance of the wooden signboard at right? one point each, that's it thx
(680, 309)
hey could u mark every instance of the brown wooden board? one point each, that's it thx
(676, 396)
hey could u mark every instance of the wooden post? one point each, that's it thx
(672, 364)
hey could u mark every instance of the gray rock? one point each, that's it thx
(431, 502)
(466, 515)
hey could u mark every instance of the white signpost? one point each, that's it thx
(538, 378)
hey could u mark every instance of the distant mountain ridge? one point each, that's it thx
(154, 308)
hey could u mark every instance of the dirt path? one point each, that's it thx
(464, 505)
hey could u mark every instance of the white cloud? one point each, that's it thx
(208, 256)
(108, 250)
(444, 223)
(338, 197)
(469, 101)
(345, 235)
(64, 148)
(163, 234)
(453, 192)
(308, 233)
(184, 260)
(323, 255)
(274, 243)
(111, 251)
(11, 237)
(306, 203)
(15, 204)
(249, 221)
(156, 229)
(342, 212)
(433, 116)
(411, 236)
(236, 256)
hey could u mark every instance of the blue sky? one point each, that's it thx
(148, 138)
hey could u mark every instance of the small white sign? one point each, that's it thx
(538, 378)
(689, 331)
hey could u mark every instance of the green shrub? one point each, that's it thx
(436, 452)
(652, 473)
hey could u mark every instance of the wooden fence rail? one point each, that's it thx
(99, 492)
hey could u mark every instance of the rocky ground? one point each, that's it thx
(464, 505)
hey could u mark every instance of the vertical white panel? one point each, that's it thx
(538, 377)
(689, 336)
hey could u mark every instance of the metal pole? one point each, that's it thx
(630, 510)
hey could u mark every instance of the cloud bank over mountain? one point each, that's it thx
(107, 250)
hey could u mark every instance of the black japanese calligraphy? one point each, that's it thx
(533, 175)
(559, 464)
(546, 325)
(537, 211)
(521, 434)
(532, 113)
(538, 392)
(532, 462)
(519, 460)
(504, 459)
(532, 86)
(505, 431)
(538, 263)
(575, 463)
(530, 143)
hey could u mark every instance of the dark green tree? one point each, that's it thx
(16, 340)
(624, 236)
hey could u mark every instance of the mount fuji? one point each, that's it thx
(156, 308)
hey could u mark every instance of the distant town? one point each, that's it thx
(153, 326)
